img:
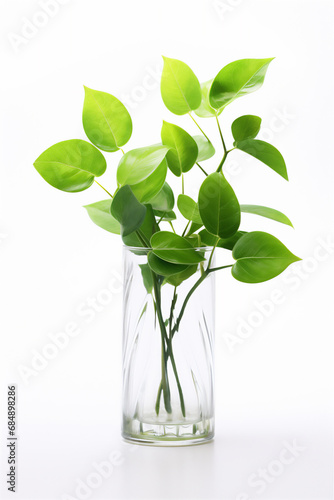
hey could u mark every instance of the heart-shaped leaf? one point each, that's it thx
(71, 165)
(237, 79)
(175, 249)
(269, 213)
(162, 267)
(106, 120)
(183, 151)
(205, 148)
(127, 210)
(246, 127)
(177, 279)
(218, 206)
(266, 153)
(164, 200)
(100, 214)
(260, 257)
(189, 208)
(147, 228)
(228, 243)
(180, 88)
(145, 170)
(205, 110)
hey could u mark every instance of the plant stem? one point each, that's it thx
(221, 134)
(191, 116)
(171, 224)
(185, 229)
(182, 184)
(164, 359)
(220, 166)
(111, 196)
(213, 269)
(204, 172)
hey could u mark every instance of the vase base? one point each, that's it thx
(181, 434)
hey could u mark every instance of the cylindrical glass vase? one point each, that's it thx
(168, 336)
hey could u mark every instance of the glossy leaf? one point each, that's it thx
(145, 170)
(237, 79)
(100, 214)
(184, 151)
(106, 120)
(147, 277)
(218, 206)
(228, 243)
(162, 267)
(180, 88)
(147, 228)
(165, 216)
(164, 201)
(175, 249)
(246, 127)
(189, 208)
(205, 110)
(71, 165)
(177, 279)
(266, 153)
(127, 210)
(269, 213)
(193, 228)
(260, 257)
(205, 148)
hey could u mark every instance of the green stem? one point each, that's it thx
(182, 184)
(220, 166)
(213, 269)
(191, 116)
(164, 359)
(204, 172)
(185, 229)
(171, 224)
(111, 196)
(221, 134)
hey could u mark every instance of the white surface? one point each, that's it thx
(274, 386)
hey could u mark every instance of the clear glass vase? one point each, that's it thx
(168, 379)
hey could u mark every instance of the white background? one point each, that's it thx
(273, 387)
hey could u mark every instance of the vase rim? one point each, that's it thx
(206, 248)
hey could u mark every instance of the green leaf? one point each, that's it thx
(106, 120)
(205, 148)
(228, 243)
(71, 165)
(260, 257)
(180, 88)
(165, 216)
(147, 228)
(175, 249)
(177, 279)
(246, 127)
(269, 213)
(145, 170)
(205, 110)
(189, 208)
(193, 228)
(162, 267)
(237, 79)
(127, 210)
(266, 153)
(218, 206)
(147, 277)
(164, 200)
(183, 153)
(100, 214)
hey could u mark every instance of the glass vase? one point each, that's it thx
(168, 336)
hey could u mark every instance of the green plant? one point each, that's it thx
(142, 200)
